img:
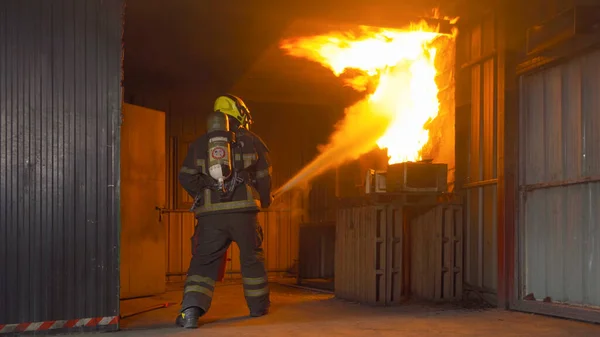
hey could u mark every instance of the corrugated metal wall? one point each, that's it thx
(60, 95)
(477, 154)
(560, 182)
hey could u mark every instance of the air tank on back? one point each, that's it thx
(219, 147)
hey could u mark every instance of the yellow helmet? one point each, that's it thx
(234, 106)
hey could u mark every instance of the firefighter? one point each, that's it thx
(228, 173)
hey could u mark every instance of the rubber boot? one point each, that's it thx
(188, 318)
(259, 313)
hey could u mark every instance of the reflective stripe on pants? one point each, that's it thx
(198, 291)
(214, 234)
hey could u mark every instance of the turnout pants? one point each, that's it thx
(212, 237)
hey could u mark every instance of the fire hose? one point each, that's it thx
(148, 309)
(280, 191)
(275, 195)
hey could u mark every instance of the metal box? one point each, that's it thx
(417, 177)
(375, 182)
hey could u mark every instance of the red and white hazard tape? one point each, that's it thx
(54, 325)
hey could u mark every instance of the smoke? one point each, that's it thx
(354, 136)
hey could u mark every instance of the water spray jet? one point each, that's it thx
(400, 65)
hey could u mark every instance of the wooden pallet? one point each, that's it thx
(369, 254)
(413, 199)
(436, 254)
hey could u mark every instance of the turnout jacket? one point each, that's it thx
(252, 163)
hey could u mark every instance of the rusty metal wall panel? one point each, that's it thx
(488, 121)
(560, 182)
(60, 95)
(474, 173)
(317, 250)
(481, 244)
(322, 198)
(480, 239)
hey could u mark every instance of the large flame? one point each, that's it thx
(402, 62)
(396, 70)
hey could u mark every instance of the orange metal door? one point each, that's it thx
(143, 189)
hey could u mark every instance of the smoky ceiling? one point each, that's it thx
(211, 45)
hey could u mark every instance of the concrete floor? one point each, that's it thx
(298, 312)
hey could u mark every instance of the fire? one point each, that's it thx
(399, 65)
